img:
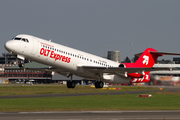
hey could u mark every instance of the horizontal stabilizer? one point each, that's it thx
(163, 53)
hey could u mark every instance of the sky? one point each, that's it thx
(89, 25)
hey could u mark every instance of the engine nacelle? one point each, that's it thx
(115, 79)
(134, 75)
(126, 77)
(122, 65)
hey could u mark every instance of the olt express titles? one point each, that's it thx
(47, 52)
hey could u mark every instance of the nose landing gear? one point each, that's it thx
(71, 84)
(21, 64)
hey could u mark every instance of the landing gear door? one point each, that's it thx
(35, 46)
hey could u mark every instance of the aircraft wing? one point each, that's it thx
(115, 70)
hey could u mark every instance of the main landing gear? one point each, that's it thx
(99, 84)
(71, 84)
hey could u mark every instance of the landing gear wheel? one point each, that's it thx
(99, 84)
(68, 84)
(71, 84)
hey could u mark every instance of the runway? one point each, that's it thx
(93, 115)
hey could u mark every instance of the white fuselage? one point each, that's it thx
(65, 59)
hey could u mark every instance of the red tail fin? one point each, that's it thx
(147, 59)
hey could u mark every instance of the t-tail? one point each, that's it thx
(146, 60)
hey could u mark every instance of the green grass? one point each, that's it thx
(158, 101)
(59, 89)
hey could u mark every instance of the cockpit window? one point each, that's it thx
(21, 39)
(16, 38)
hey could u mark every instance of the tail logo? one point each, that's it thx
(146, 60)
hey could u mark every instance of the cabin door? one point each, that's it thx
(35, 46)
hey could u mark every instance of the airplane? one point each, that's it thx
(68, 62)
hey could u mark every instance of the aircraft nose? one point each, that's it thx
(9, 45)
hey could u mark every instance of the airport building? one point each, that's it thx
(16, 75)
(176, 60)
